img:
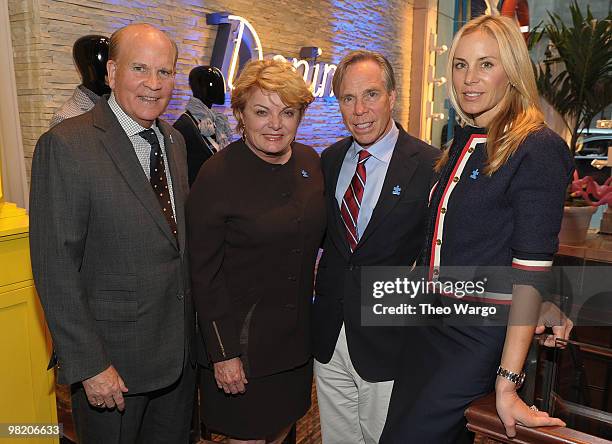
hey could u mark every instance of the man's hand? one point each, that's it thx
(106, 389)
(230, 376)
(551, 316)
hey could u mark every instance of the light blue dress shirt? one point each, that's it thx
(376, 170)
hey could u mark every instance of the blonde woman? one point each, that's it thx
(256, 219)
(498, 202)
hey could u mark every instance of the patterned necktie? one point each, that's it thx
(159, 181)
(351, 202)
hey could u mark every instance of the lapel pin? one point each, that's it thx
(397, 190)
(171, 141)
(475, 174)
(305, 173)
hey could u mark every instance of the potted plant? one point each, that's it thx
(582, 87)
(580, 56)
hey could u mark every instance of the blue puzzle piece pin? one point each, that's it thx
(397, 190)
(475, 174)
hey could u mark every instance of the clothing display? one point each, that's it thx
(210, 122)
(81, 101)
(252, 251)
(510, 217)
(205, 131)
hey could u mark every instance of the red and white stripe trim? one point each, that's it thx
(436, 246)
(488, 297)
(529, 265)
(435, 185)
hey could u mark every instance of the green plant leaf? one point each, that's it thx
(583, 86)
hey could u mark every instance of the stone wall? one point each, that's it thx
(43, 32)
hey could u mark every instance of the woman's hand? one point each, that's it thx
(512, 410)
(552, 316)
(230, 376)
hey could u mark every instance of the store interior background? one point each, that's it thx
(43, 32)
(408, 32)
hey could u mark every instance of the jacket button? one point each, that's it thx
(296, 251)
(351, 267)
(285, 194)
(292, 278)
(290, 306)
(180, 296)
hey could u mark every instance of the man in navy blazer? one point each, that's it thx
(376, 216)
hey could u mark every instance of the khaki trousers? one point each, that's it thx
(352, 410)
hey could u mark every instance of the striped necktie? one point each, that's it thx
(351, 202)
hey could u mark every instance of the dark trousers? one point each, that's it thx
(162, 416)
(443, 370)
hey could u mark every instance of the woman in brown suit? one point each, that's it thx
(255, 222)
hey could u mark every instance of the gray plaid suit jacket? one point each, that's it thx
(112, 280)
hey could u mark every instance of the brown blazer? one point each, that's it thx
(112, 280)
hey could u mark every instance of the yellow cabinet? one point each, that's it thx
(26, 386)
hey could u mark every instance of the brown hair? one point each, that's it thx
(271, 75)
(360, 56)
(519, 109)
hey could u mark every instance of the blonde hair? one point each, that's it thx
(270, 75)
(362, 55)
(519, 109)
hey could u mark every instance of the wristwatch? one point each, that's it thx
(517, 378)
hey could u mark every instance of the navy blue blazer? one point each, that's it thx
(393, 237)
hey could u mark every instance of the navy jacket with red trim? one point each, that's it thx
(512, 217)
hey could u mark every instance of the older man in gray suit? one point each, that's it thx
(108, 251)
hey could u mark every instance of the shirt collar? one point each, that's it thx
(89, 93)
(381, 150)
(129, 125)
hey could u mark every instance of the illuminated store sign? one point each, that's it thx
(237, 42)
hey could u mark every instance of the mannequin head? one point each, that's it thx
(208, 85)
(90, 55)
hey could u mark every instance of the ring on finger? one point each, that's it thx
(534, 408)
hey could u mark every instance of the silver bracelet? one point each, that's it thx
(517, 378)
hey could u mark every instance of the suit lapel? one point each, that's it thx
(400, 172)
(121, 151)
(177, 182)
(336, 229)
